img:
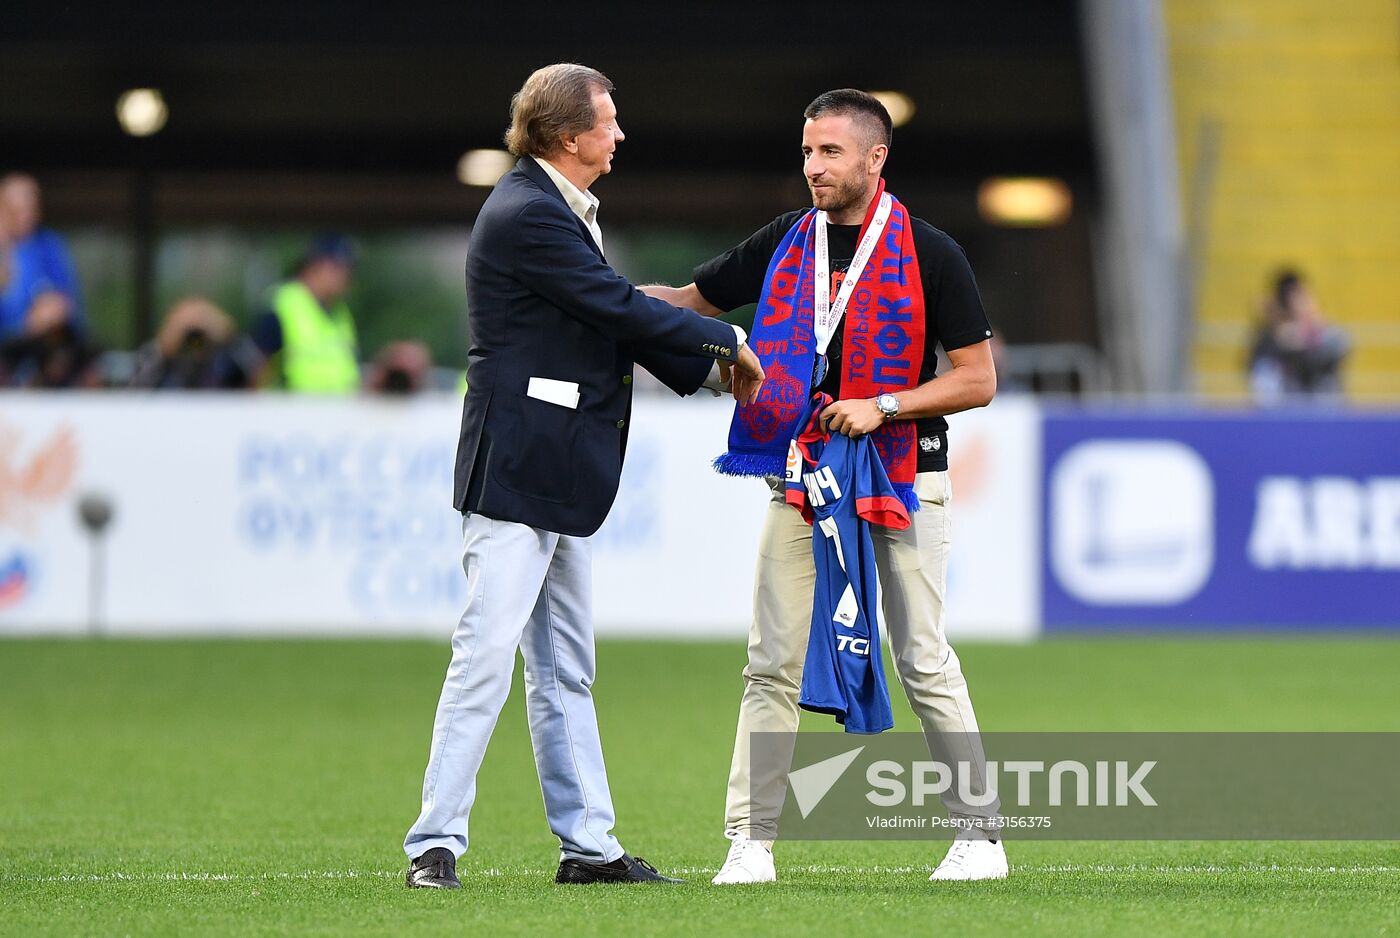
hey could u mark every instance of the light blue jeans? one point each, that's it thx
(528, 589)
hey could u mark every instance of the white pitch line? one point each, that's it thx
(1209, 868)
(1101, 868)
(120, 877)
(311, 875)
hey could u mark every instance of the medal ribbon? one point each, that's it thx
(826, 316)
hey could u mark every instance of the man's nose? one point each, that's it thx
(618, 135)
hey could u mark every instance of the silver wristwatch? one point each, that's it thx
(889, 405)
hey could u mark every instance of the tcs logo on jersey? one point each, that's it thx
(854, 645)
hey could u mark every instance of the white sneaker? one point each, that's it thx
(971, 859)
(749, 861)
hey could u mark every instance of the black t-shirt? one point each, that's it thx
(953, 310)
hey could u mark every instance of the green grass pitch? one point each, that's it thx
(263, 787)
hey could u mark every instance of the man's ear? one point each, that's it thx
(570, 144)
(875, 161)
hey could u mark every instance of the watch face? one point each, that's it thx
(887, 403)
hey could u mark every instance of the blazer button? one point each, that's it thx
(626, 379)
(621, 424)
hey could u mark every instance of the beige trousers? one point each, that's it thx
(913, 569)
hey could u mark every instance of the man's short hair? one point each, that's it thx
(555, 102)
(862, 107)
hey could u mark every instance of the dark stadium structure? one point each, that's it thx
(354, 113)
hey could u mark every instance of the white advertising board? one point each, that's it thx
(280, 515)
(994, 568)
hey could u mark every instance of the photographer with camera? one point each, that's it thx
(197, 348)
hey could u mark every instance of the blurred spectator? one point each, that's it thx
(35, 259)
(401, 368)
(6, 243)
(50, 352)
(1295, 350)
(197, 347)
(308, 334)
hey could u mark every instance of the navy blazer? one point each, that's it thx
(543, 303)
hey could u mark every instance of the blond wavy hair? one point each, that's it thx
(555, 102)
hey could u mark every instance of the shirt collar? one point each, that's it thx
(581, 202)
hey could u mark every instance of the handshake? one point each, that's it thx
(742, 377)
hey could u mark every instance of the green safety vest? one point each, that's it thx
(318, 348)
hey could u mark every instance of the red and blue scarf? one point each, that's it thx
(882, 350)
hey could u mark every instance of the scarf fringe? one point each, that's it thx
(749, 464)
(908, 496)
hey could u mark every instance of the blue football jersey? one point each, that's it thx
(840, 486)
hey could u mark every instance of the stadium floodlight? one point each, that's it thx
(142, 111)
(899, 104)
(483, 167)
(1024, 201)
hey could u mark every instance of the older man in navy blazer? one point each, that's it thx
(555, 335)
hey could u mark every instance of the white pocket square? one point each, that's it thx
(563, 393)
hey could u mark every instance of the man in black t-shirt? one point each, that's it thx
(954, 316)
(845, 141)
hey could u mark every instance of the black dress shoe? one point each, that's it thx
(436, 869)
(625, 869)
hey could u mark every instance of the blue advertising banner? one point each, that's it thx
(1265, 519)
